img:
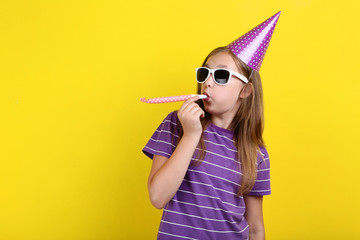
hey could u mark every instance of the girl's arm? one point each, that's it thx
(167, 174)
(254, 217)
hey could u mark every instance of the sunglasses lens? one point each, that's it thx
(202, 75)
(222, 76)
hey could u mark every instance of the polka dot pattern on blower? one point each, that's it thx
(252, 46)
(167, 99)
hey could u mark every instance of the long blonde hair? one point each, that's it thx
(247, 125)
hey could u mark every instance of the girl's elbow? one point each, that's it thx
(156, 202)
(156, 199)
(158, 205)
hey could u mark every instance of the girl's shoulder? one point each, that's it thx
(172, 117)
(262, 153)
(171, 122)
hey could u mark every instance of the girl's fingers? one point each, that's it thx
(187, 102)
(199, 113)
(192, 108)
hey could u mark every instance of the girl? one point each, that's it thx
(210, 166)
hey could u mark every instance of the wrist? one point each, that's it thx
(195, 138)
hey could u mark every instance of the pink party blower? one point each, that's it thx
(172, 98)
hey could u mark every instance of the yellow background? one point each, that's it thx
(72, 125)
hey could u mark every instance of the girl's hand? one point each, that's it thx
(189, 115)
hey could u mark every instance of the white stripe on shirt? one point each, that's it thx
(224, 179)
(206, 162)
(268, 190)
(201, 206)
(163, 142)
(217, 144)
(208, 185)
(159, 131)
(167, 154)
(263, 180)
(207, 219)
(219, 135)
(208, 230)
(219, 155)
(170, 122)
(174, 235)
(204, 195)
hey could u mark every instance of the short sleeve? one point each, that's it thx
(262, 183)
(164, 140)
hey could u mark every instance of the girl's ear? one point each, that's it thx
(246, 90)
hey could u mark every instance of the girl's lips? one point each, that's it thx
(208, 97)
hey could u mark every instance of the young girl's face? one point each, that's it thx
(222, 99)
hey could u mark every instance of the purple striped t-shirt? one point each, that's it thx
(206, 205)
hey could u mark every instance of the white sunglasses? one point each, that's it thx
(221, 76)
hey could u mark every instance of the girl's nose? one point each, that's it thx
(210, 81)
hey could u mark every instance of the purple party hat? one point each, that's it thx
(252, 46)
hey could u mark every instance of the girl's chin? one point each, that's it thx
(209, 108)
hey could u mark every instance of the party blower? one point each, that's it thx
(172, 98)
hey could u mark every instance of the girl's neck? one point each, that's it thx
(222, 121)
